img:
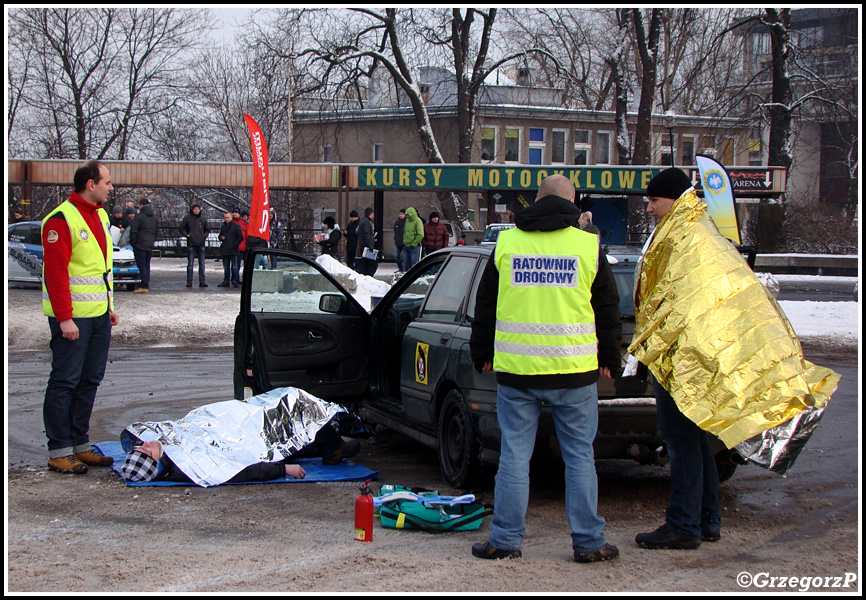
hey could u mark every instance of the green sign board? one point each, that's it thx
(610, 179)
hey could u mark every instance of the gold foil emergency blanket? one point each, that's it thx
(213, 443)
(714, 337)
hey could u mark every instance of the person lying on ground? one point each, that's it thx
(148, 462)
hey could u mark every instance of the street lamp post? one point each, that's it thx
(669, 122)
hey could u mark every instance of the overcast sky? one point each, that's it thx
(229, 16)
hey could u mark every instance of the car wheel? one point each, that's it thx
(458, 446)
(725, 465)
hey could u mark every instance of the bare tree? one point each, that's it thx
(363, 40)
(96, 73)
(779, 108)
(647, 45)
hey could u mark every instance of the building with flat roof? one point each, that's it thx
(517, 125)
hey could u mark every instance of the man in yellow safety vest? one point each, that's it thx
(547, 322)
(78, 299)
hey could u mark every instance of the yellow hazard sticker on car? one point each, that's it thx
(421, 352)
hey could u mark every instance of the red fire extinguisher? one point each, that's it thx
(364, 514)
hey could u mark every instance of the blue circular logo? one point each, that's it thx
(714, 181)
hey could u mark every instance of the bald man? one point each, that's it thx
(547, 323)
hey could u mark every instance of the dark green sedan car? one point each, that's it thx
(406, 365)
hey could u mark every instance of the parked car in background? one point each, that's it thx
(492, 231)
(406, 364)
(25, 257)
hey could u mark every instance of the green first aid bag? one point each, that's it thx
(435, 518)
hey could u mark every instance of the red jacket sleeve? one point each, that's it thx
(56, 252)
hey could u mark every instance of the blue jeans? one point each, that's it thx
(575, 415)
(398, 257)
(231, 269)
(77, 369)
(193, 252)
(142, 261)
(411, 256)
(694, 500)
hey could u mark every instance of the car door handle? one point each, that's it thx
(446, 337)
(314, 337)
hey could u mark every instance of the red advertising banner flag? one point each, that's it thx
(259, 217)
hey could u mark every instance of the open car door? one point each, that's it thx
(298, 327)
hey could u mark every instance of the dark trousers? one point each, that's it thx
(142, 260)
(193, 252)
(231, 269)
(366, 266)
(694, 500)
(326, 443)
(77, 369)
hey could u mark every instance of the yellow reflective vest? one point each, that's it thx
(545, 324)
(90, 273)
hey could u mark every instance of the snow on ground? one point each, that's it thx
(838, 320)
(206, 317)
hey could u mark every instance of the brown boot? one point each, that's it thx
(67, 464)
(94, 458)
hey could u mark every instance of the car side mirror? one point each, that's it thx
(332, 303)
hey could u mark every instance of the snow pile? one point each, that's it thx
(362, 287)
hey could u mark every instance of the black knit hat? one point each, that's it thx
(670, 183)
(329, 221)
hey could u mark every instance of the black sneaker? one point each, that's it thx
(666, 538)
(347, 450)
(486, 550)
(223, 284)
(188, 284)
(606, 552)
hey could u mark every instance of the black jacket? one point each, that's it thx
(144, 229)
(263, 471)
(366, 238)
(331, 244)
(352, 237)
(231, 237)
(550, 214)
(399, 228)
(195, 229)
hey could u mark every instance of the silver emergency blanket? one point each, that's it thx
(776, 449)
(213, 443)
